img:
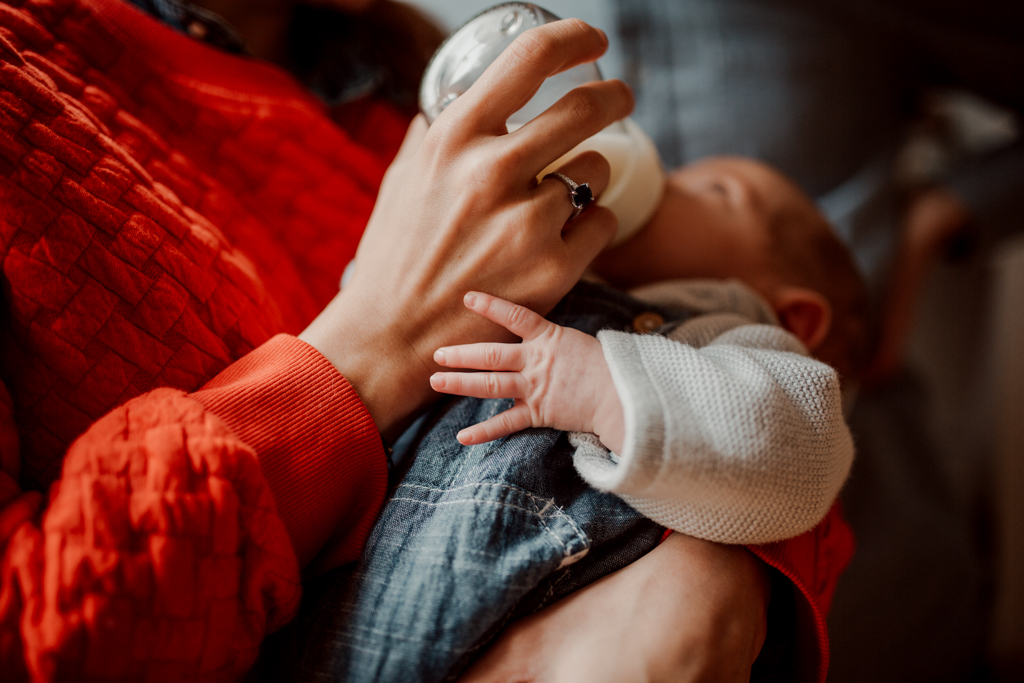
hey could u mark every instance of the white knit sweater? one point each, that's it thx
(733, 433)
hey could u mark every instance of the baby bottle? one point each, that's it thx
(637, 178)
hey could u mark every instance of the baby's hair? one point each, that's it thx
(806, 248)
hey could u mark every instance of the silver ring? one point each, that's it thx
(579, 195)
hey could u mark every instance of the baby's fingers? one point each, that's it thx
(518, 320)
(480, 384)
(507, 357)
(509, 422)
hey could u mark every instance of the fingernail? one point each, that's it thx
(440, 357)
(464, 438)
(469, 299)
(438, 381)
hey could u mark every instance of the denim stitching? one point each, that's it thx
(565, 548)
(557, 510)
(487, 641)
(551, 590)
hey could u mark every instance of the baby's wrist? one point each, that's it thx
(608, 420)
(609, 423)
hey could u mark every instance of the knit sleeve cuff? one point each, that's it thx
(318, 447)
(637, 466)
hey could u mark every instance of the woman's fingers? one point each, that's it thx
(485, 356)
(514, 77)
(588, 234)
(513, 420)
(414, 135)
(553, 196)
(580, 114)
(517, 319)
(454, 214)
(480, 384)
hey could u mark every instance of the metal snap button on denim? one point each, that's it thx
(647, 322)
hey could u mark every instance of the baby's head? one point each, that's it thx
(730, 217)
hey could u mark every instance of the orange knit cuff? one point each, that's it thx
(317, 445)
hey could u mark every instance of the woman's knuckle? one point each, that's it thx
(491, 385)
(477, 168)
(442, 138)
(535, 47)
(592, 159)
(574, 32)
(510, 151)
(526, 218)
(488, 168)
(532, 212)
(586, 105)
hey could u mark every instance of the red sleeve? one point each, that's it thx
(166, 549)
(318, 446)
(813, 562)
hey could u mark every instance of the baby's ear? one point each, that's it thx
(804, 313)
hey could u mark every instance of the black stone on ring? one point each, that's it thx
(579, 195)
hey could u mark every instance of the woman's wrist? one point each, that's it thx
(730, 578)
(460, 210)
(689, 610)
(387, 371)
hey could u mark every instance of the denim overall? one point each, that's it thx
(473, 537)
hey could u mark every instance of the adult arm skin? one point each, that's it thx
(690, 610)
(404, 301)
(460, 210)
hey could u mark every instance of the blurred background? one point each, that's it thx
(903, 119)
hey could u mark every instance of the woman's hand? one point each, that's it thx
(689, 610)
(557, 375)
(460, 210)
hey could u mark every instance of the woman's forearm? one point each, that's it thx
(689, 610)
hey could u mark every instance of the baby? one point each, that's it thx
(721, 426)
(695, 435)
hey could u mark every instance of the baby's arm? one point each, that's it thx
(733, 433)
(735, 436)
(557, 375)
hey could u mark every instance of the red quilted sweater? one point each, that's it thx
(169, 215)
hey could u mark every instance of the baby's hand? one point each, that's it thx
(557, 375)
